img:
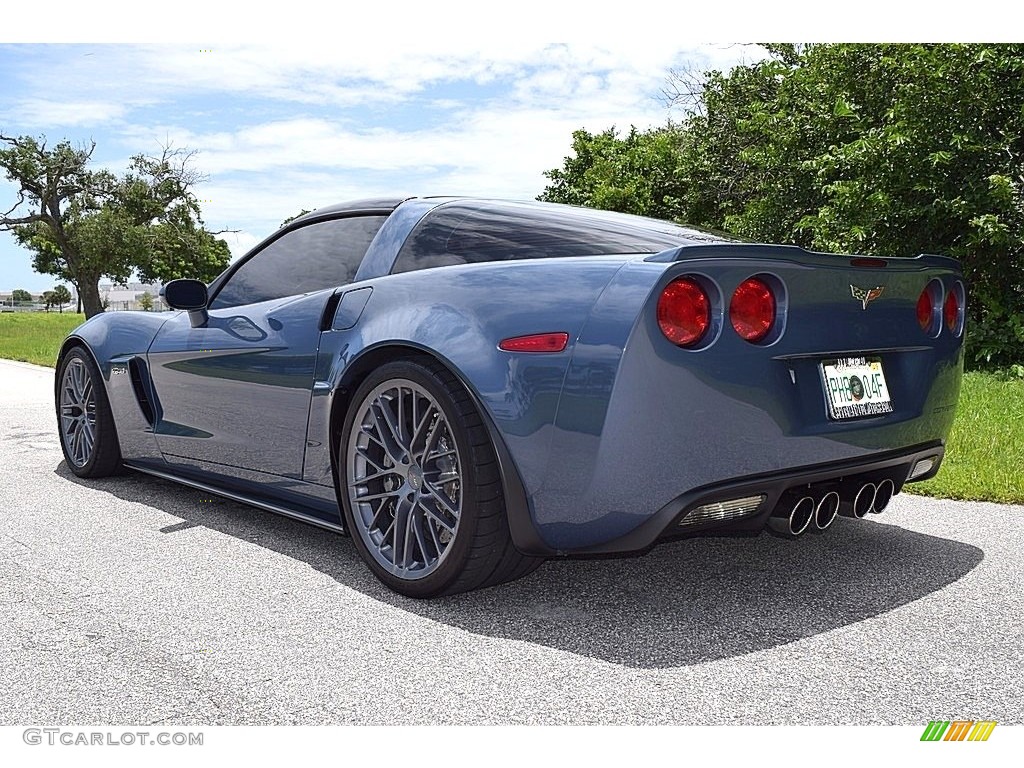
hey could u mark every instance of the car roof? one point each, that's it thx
(363, 204)
(690, 235)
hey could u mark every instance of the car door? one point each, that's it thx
(235, 392)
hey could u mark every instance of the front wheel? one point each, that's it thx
(88, 436)
(421, 491)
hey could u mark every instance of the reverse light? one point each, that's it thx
(684, 312)
(752, 309)
(723, 510)
(537, 342)
(921, 468)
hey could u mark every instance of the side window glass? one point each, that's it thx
(317, 256)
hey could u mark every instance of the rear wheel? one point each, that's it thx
(420, 485)
(87, 433)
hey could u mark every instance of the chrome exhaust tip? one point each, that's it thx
(883, 495)
(826, 511)
(864, 501)
(796, 521)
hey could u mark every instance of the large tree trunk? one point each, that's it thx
(89, 292)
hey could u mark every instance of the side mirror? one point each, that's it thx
(190, 295)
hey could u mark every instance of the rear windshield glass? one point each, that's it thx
(471, 232)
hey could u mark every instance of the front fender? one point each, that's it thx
(118, 342)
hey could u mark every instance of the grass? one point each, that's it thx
(985, 453)
(984, 456)
(35, 337)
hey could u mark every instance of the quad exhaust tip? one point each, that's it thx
(796, 521)
(826, 511)
(883, 495)
(864, 501)
(857, 500)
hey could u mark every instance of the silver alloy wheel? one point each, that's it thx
(404, 478)
(78, 412)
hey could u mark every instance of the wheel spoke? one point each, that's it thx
(87, 440)
(417, 529)
(433, 531)
(361, 481)
(77, 446)
(79, 382)
(375, 496)
(387, 435)
(431, 435)
(403, 511)
(400, 418)
(375, 522)
(441, 499)
(420, 427)
(439, 519)
(438, 455)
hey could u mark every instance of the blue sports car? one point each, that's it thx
(467, 387)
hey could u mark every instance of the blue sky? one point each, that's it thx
(282, 128)
(333, 101)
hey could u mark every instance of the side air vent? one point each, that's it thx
(140, 383)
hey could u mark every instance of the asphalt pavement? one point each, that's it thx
(137, 601)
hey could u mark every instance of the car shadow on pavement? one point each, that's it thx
(685, 602)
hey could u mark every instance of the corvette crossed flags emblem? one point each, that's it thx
(866, 295)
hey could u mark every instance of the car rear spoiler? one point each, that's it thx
(797, 255)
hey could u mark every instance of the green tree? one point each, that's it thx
(60, 296)
(636, 173)
(145, 300)
(48, 300)
(82, 224)
(21, 296)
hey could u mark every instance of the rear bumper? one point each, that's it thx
(665, 524)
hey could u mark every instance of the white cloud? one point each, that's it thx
(46, 113)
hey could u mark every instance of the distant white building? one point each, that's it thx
(125, 296)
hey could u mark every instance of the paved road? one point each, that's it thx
(136, 601)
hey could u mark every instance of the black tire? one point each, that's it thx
(86, 428)
(479, 553)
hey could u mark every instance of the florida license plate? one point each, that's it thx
(855, 386)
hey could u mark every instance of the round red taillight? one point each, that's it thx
(752, 309)
(925, 309)
(684, 312)
(951, 310)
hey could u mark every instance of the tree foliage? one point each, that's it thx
(83, 224)
(60, 296)
(20, 295)
(290, 219)
(889, 150)
(634, 174)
